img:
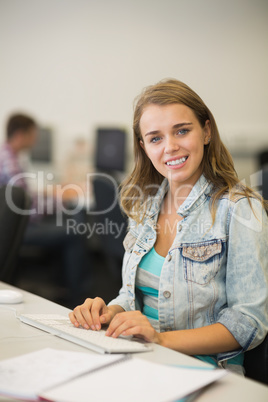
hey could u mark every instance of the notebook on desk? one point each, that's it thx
(61, 326)
(64, 376)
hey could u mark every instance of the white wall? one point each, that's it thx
(77, 64)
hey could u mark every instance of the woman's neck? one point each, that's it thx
(177, 195)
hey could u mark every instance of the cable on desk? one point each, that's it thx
(17, 315)
(9, 308)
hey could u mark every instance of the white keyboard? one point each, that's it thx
(95, 340)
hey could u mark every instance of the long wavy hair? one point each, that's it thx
(217, 164)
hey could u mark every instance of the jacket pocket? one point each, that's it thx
(201, 261)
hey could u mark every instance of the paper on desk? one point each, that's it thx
(24, 377)
(134, 380)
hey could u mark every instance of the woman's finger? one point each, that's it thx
(121, 322)
(82, 314)
(97, 309)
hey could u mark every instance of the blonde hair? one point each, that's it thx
(217, 164)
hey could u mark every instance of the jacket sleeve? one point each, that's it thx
(122, 298)
(246, 315)
(126, 297)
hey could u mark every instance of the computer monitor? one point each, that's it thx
(110, 149)
(42, 150)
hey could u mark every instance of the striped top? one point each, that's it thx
(147, 281)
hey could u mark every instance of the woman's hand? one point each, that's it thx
(133, 323)
(92, 313)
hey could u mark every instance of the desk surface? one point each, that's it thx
(17, 338)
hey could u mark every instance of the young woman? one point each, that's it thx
(195, 268)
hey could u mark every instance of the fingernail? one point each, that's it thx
(97, 327)
(86, 326)
(107, 333)
(92, 327)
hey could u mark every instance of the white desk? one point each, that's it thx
(17, 338)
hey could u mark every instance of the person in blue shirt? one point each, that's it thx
(43, 229)
(195, 270)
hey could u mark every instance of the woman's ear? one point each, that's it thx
(143, 147)
(207, 132)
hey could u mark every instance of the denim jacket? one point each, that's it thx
(212, 273)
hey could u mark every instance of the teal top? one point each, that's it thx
(147, 281)
(237, 360)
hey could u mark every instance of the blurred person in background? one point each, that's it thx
(21, 134)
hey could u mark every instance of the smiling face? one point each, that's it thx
(174, 140)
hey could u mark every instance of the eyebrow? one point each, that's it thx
(179, 125)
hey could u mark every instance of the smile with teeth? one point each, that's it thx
(177, 161)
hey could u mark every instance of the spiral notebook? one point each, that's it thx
(57, 375)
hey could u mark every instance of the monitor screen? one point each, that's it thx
(42, 150)
(110, 149)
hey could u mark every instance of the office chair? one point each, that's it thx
(12, 227)
(256, 362)
(112, 220)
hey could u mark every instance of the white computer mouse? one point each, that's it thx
(8, 296)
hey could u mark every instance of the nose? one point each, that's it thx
(172, 145)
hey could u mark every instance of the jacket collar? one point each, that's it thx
(197, 196)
